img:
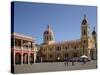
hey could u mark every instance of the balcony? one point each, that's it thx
(22, 48)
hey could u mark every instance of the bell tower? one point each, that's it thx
(84, 35)
(94, 36)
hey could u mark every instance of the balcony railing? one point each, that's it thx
(22, 48)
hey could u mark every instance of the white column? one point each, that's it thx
(14, 56)
(14, 52)
(35, 49)
(22, 52)
(28, 53)
(29, 58)
(34, 57)
(89, 54)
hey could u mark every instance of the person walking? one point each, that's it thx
(65, 63)
(72, 61)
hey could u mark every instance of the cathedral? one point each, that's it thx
(24, 50)
(86, 44)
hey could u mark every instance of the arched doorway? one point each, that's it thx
(25, 58)
(18, 58)
(31, 58)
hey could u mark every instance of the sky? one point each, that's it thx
(65, 20)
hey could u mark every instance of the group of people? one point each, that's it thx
(67, 63)
(73, 60)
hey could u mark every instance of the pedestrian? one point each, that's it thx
(96, 66)
(84, 61)
(31, 62)
(65, 63)
(72, 62)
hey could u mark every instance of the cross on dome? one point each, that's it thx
(84, 22)
(48, 26)
(94, 32)
(94, 28)
(84, 16)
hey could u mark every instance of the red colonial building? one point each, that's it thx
(22, 49)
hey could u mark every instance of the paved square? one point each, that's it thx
(54, 66)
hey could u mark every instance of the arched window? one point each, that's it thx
(84, 32)
(47, 37)
(75, 47)
(51, 49)
(50, 37)
(58, 48)
(66, 55)
(84, 41)
(50, 55)
(44, 56)
(75, 54)
(25, 58)
(18, 42)
(18, 58)
(66, 48)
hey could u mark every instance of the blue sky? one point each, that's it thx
(65, 20)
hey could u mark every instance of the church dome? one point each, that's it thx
(48, 36)
(94, 32)
(48, 31)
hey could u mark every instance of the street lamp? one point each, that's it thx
(58, 58)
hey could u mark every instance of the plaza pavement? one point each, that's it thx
(53, 66)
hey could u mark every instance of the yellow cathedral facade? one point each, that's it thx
(50, 50)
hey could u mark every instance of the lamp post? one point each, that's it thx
(58, 58)
(41, 59)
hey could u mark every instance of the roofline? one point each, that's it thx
(21, 36)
